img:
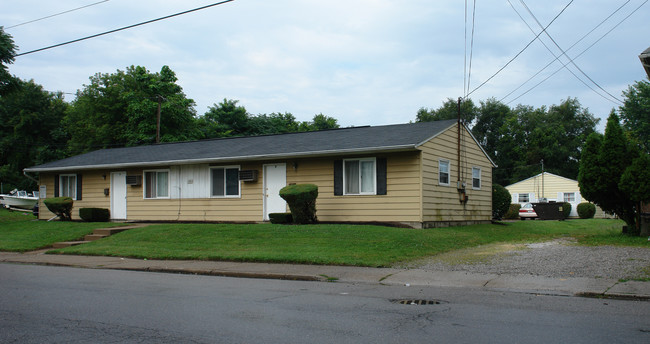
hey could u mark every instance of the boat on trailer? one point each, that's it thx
(19, 200)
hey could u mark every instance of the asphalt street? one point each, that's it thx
(47, 304)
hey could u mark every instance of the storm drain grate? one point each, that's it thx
(418, 302)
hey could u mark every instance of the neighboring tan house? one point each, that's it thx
(552, 188)
(403, 174)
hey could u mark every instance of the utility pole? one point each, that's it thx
(543, 178)
(458, 151)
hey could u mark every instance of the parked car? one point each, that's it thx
(527, 212)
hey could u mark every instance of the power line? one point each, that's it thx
(56, 14)
(581, 53)
(556, 57)
(522, 50)
(567, 56)
(125, 28)
(471, 48)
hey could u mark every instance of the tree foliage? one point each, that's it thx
(519, 138)
(7, 53)
(30, 131)
(230, 119)
(120, 109)
(448, 110)
(609, 173)
(635, 113)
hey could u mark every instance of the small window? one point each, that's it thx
(68, 185)
(359, 177)
(443, 172)
(476, 177)
(569, 196)
(224, 181)
(156, 184)
(524, 198)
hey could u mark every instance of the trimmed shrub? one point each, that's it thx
(94, 214)
(280, 218)
(513, 212)
(586, 210)
(500, 201)
(566, 210)
(301, 199)
(61, 206)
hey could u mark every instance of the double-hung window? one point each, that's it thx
(476, 178)
(524, 198)
(156, 184)
(68, 185)
(360, 176)
(224, 181)
(443, 172)
(569, 196)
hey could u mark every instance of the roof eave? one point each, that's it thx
(325, 153)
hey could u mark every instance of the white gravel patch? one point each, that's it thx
(558, 259)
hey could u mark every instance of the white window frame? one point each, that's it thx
(74, 186)
(440, 172)
(238, 195)
(565, 194)
(374, 177)
(527, 198)
(144, 188)
(480, 182)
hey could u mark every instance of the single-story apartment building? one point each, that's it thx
(405, 173)
(552, 188)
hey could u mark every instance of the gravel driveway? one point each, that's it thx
(558, 258)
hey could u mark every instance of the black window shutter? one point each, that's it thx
(56, 185)
(381, 176)
(338, 177)
(79, 183)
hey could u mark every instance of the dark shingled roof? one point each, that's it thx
(369, 139)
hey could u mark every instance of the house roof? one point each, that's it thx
(355, 140)
(539, 175)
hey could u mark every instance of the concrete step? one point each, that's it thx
(67, 244)
(93, 237)
(111, 231)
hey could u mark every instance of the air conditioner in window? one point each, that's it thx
(134, 180)
(248, 175)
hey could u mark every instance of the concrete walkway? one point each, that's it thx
(346, 274)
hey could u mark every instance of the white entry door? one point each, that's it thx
(118, 195)
(275, 178)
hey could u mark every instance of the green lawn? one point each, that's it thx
(339, 244)
(359, 245)
(21, 232)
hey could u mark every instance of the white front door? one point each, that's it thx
(118, 195)
(275, 178)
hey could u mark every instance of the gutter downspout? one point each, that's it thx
(30, 177)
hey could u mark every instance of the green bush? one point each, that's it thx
(61, 206)
(280, 218)
(301, 199)
(513, 212)
(500, 201)
(94, 214)
(586, 210)
(566, 210)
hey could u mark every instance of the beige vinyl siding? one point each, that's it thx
(550, 189)
(440, 203)
(400, 204)
(92, 193)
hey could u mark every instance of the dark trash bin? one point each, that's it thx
(549, 211)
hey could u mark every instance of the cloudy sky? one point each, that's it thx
(364, 62)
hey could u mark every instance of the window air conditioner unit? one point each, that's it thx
(134, 180)
(248, 175)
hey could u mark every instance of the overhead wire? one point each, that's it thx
(581, 53)
(125, 27)
(571, 61)
(556, 57)
(56, 14)
(521, 51)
